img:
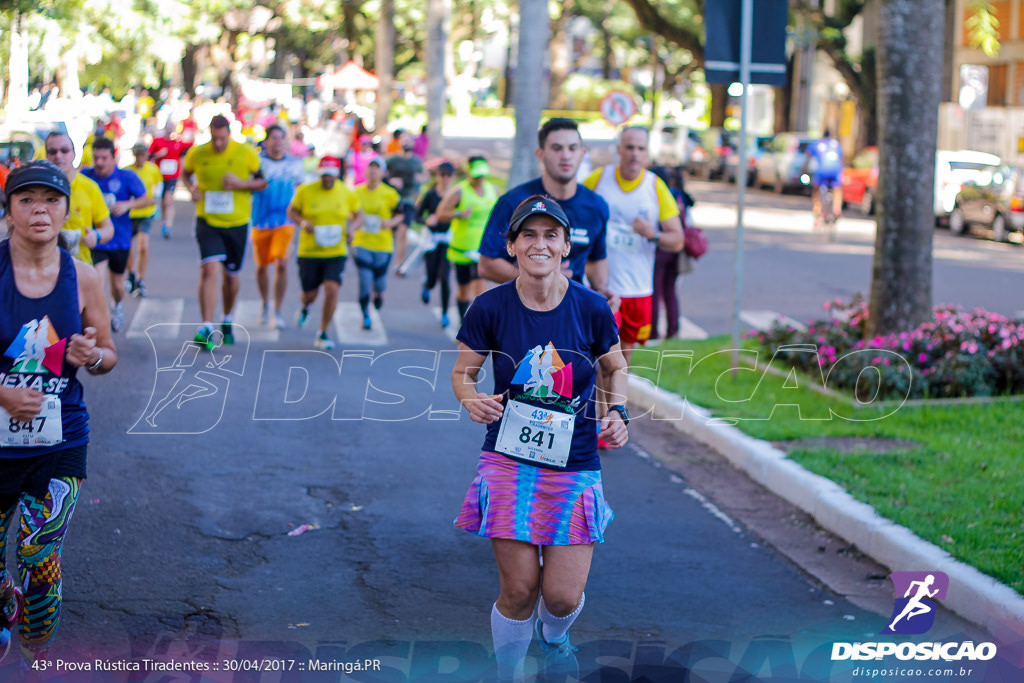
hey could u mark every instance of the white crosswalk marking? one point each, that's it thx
(247, 314)
(153, 312)
(159, 311)
(348, 323)
(763, 320)
(690, 330)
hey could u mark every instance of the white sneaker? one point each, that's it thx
(117, 317)
(265, 316)
(279, 321)
(323, 342)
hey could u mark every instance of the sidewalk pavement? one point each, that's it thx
(973, 595)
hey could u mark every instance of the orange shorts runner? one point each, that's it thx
(271, 244)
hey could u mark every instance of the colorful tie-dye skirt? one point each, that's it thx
(515, 500)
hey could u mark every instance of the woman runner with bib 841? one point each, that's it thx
(538, 481)
(53, 321)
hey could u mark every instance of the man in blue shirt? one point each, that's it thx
(272, 230)
(826, 157)
(560, 151)
(123, 191)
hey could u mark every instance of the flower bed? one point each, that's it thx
(956, 354)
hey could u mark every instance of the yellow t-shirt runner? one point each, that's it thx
(88, 208)
(150, 176)
(219, 207)
(378, 205)
(328, 211)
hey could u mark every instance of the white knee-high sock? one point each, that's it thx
(511, 641)
(556, 627)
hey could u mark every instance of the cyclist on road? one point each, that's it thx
(826, 157)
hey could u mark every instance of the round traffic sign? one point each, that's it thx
(617, 107)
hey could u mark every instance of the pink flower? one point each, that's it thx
(921, 358)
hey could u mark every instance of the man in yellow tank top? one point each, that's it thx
(468, 205)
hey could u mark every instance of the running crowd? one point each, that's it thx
(580, 266)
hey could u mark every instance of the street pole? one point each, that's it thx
(746, 31)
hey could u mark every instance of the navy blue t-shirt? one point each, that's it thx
(545, 358)
(120, 186)
(588, 218)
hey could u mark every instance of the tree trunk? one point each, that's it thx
(385, 58)
(17, 81)
(438, 28)
(719, 104)
(909, 74)
(560, 66)
(528, 87)
(189, 69)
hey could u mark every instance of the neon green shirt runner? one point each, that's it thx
(467, 232)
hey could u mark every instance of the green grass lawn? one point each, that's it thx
(959, 484)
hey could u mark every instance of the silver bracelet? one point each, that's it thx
(96, 366)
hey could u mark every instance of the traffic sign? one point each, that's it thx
(617, 107)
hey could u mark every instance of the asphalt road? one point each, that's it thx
(202, 467)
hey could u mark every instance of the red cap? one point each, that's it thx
(330, 166)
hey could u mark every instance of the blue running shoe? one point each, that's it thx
(300, 317)
(425, 296)
(444, 320)
(165, 231)
(366, 322)
(204, 338)
(229, 335)
(559, 658)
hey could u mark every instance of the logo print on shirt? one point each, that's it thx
(543, 374)
(37, 349)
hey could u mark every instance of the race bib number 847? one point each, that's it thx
(45, 429)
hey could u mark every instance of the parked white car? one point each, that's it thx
(953, 170)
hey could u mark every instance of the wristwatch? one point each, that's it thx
(621, 410)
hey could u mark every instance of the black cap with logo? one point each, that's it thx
(38, 172)
(537, 204)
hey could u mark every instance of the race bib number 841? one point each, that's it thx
(537, 434)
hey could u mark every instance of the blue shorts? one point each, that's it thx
(830, 179)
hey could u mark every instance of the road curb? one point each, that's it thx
(973, 595)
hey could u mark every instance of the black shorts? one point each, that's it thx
(116, 259)
(408, 212)
(465, 273)
(226, 245)
(142, 225)
(313, 272)
(169, 185)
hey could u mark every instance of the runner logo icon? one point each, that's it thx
(916, 597)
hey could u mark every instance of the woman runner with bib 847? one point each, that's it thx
(538, 482)
(53, 321)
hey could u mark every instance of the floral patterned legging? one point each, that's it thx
(44, 522)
